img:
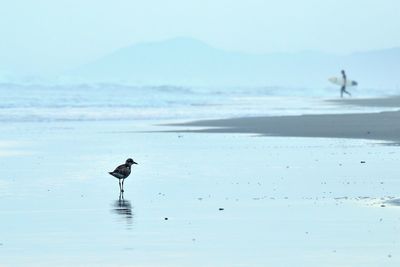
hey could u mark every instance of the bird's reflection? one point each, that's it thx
(123, 208)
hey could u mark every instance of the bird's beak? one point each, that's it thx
(135, 163)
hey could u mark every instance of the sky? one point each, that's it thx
(49, 35)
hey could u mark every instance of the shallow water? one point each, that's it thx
(285, 201)
(109, 102)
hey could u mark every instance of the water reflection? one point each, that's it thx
(123, 208)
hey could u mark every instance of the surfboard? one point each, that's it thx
(339, 81)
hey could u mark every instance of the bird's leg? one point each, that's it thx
(119, 182)
(122, 185)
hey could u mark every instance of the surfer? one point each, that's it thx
(343, 89)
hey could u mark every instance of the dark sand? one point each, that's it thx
(389, 102)
(376, 126)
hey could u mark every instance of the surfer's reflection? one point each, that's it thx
(123, 208)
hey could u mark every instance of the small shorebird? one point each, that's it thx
(122, 172)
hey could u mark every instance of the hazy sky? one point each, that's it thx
(54, 34)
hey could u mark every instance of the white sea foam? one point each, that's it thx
(119, 102)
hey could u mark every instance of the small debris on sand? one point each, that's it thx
(166, 218)
(362, 161)
(221, 208)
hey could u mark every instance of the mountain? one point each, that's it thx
(185, 61)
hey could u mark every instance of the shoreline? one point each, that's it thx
(372, 126)
(383, 102)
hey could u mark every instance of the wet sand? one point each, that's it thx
(376, 126)
(393, 102)
(284, 201)
(230, 200)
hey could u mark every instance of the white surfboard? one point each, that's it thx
(339, 81)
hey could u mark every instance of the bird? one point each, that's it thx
(122, 172)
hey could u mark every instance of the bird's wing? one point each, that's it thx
(122, 169)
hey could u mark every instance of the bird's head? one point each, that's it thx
(130, 162)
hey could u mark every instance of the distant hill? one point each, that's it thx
(185, 61)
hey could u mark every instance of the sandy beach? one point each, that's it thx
(199, 199)
(393, 101)
(230, 200)
(376, 126)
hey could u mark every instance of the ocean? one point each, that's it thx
(30, 103)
